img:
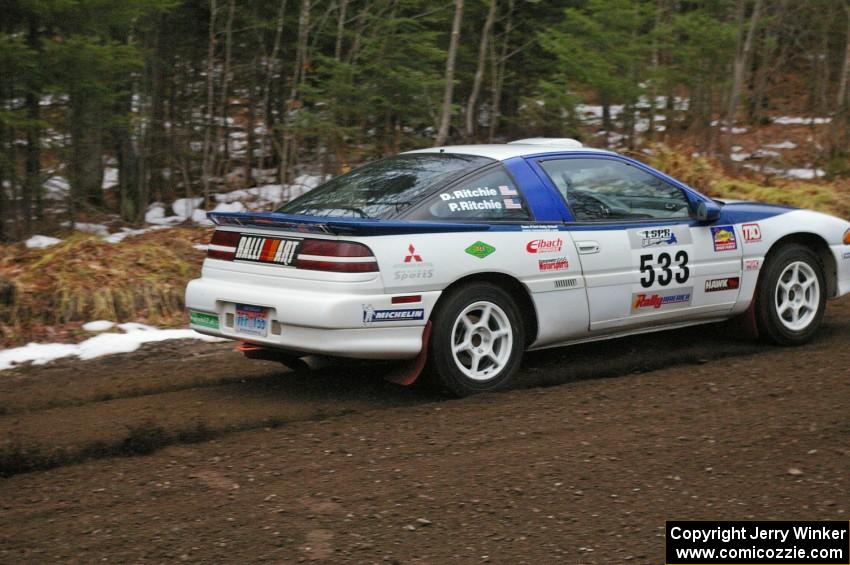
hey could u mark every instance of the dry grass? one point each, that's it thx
(83, 279)
(709, 177)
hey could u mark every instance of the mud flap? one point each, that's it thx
(748, 321)
(406, 373)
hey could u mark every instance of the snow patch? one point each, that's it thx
(96, 229)
(110, 177)
(56, 188)
(794, 121)
(118, 237)
(134, 336)
(98, 326)
(784, 145)
(804, 174)
(41, 241)
(185, 207)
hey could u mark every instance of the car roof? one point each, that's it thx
(521, 148)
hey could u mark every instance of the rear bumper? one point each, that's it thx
(314, 321)
(842, 262)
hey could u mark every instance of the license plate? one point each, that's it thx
(252, 320)
(267, 249)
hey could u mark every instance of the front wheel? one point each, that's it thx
(792, 296)
(477, 341)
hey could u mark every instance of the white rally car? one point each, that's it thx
(464, 257)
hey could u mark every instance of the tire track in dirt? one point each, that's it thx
(189, 392)
(585, 472)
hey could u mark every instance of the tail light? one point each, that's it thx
(223, 245)
(313, 254)
(335, 256)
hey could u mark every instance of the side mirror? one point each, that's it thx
(708, 211)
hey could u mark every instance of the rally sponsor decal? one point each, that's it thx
(371, 316)
(203, 319)
(413, 266)
(538, 227)
(662, 299)
(267, 249)
(412, 256)
(557, 264)
(724, 238)
(659, 237)
(545, 245)
(480, 249)
(752, 265)
(752, 233)
(718, 285)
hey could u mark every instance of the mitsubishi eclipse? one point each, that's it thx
(461, 258)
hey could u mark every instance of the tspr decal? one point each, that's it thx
(659, 237)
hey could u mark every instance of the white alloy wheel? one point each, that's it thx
(797, 296)
(482, 340)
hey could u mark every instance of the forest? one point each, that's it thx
(107, 106)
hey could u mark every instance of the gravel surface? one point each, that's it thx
(252, 463)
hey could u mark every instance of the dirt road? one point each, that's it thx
(251, 463)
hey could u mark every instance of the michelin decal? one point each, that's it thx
(370, 315)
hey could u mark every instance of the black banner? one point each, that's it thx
(758, 543)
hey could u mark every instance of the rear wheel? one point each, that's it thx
(477, 341)
(792, 296)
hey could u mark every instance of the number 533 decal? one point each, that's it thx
(664, 262)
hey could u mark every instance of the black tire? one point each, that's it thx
(444, 366)
(780, 328)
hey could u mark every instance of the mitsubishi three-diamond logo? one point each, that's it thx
(412, 256)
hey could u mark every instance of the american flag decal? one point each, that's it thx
(507, 191)
(266, 249)
(513, 203)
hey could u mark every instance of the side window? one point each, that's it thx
(604, 189)
(489, 196)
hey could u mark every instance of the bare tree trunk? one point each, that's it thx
(446, 113)
(340, 29)
(841, 101)
(479, 71)
(498, 80)
(271, 65)
(251, 139)
(208, 157)
(742, 58)
(32, 180)
(288, 148)
(223, 134)
(3, 160)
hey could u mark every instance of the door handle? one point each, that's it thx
(587, 247)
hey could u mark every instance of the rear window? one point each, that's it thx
(488, 196)
(385, 188)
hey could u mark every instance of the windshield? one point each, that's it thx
(384, 188)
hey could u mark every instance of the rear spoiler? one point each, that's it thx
(335, 226)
